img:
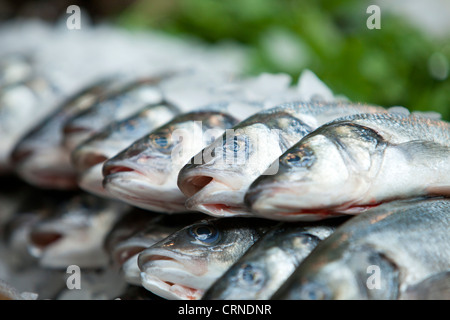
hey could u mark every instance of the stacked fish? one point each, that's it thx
(200, 183)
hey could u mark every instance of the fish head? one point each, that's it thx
(88, 158)
(216, 185)
(186, 263)
(325, 173)
(75, 233)
(145, 174)
(118, 105)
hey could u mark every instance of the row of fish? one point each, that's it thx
(128, 253)
(199, 183)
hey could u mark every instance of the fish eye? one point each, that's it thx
(314, 291)
(301, 158)
(239, 143)
(250, 275)
(204, 233)
(161, 141)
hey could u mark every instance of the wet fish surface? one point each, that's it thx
(39, 157)
(378, 254)
(75, 233)
(353, 163)
(270, 261)
(145, 174)
(217, 184)
(186, 263)
(89, 157)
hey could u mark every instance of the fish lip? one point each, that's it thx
(20, 155)
(42, 239)
(124, 166)
(114, 187)
(84, 160)
(153, 260)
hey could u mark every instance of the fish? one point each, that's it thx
(88, 158)
(39, 157)
(133, 292)
(187, 262)
(270, 261)
(435, 287)
(8, 292)
(145, 174)
(378, 254)
(22, 106)
(217, 185)
(15, 68)
(75, 232)
(354, 163)
(139, 231)
(124, 102)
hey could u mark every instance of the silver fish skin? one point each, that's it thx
(39, 157)
(75, 233)
(145, 174)
(15, 68)
(124, 253)
(22, 106)
(217, 185)
(353, 163)
(270, 261)
(119, 105)
(88, 158)
(376, 255)
(8, 292)
(189, 261)
(435, 287)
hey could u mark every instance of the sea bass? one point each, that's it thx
(217, 185)
(145, 174)
(75, 233)
(270, 261)
(138, 231)
(186, 263)
(89, 157)
(39, 158)
(124, 102)
(22, 106)
(353, 163)
(378, 254)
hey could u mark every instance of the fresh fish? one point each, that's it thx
(138, 234)
(22, 106)
(217, 184)
(74, 234)
(186, 263)
(270, 261)
(7, 292)
(145, 174)
(376, 255)
(123, 103)
(353, 163)
(39, 158)
(88, 158)
(436, 287)
(133, 292)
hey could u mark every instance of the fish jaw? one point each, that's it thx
(138, 190)
(213, 192)
(91, 181)
(173, 276)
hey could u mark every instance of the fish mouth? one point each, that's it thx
(21, 155)
(137, 189)
(213, 195)
(83, 161)
(40, 240)
(91, 180)
(73, 136)
(165, 275)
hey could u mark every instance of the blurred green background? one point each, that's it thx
(399, 64)
(396, 65)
